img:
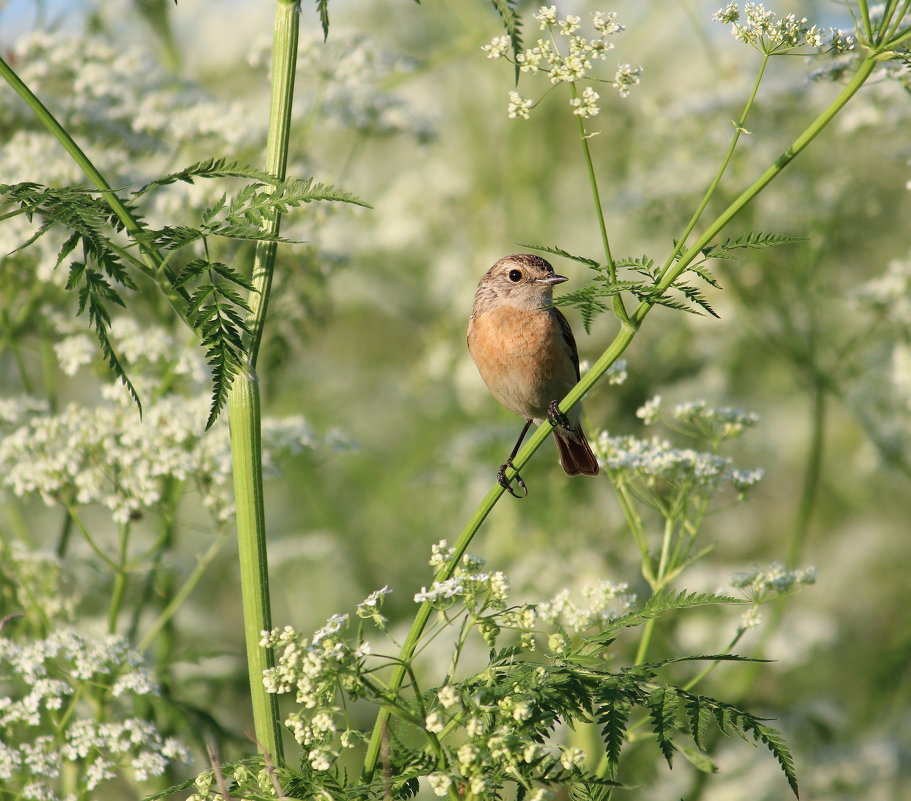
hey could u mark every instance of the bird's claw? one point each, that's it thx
(555, 417)
(504, 482)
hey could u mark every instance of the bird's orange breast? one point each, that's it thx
(523, 358)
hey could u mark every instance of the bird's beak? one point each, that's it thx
(551, 280)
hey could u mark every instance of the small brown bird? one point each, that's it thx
(525, 352)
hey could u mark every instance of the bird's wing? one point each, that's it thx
(568, 338)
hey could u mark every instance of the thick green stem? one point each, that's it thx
(284, 62)
(246, 458)
(244, 406)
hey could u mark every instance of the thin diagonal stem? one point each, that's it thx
(152, 265)
(738, 130)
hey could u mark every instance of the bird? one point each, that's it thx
(526, 354)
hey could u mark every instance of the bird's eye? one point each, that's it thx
(515, 276)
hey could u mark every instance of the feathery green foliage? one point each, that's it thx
(217, 307)
(647, 288)
(512, 23)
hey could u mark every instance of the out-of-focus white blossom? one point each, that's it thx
(44, 676)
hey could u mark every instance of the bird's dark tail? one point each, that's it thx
(576, 456)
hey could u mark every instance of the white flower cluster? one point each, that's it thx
(660, 468)
(889, 295)
(315, 670)
(762, 584)
(106, 455)
(759, 583)
(571, 66)
(698, 419)
(607, 601)
(45, 727)
(34, 579)
(474, 587)
(772, 35)
(125, 93)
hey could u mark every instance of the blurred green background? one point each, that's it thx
(367, 335)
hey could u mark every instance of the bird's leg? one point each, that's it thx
(501, 473)
(555, 417)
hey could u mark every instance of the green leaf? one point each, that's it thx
(612, 715)
(322, 6)
(590, 263)
(512, 22)
(213, 168)
(702, 762)
(698, 715)
(662, 706)
(752, 240)
(773, 740)
(661, 602)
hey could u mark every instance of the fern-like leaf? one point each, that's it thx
(512, 23)
(659, 603)
(94, 292)
(212, 168)
(773, 740)
(612, 712)
(555, 251)
(322, 6)
(662, 706)
(754, 240)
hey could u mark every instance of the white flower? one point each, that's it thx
(546, 16)
(439, 783)
(434, 722)
(572, 758)
(586, 105)
(625, 78)
(448, 696)
(650, 411)
(499, 46)
(518, 106)
(730, 13)
(441, 590)
(320, 759)
(441, 554)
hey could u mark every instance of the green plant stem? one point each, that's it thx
(244, 405)
(74, 515)
(246, 459)
(153, 261)
(181, 595)
(713, 186)
(284, 63)
(811, 474)
(120, 580)
(616, 348)
(809, 134)
(619, 308)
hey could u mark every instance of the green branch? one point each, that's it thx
(153, 265)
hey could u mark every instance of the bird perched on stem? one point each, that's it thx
(525, 352)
